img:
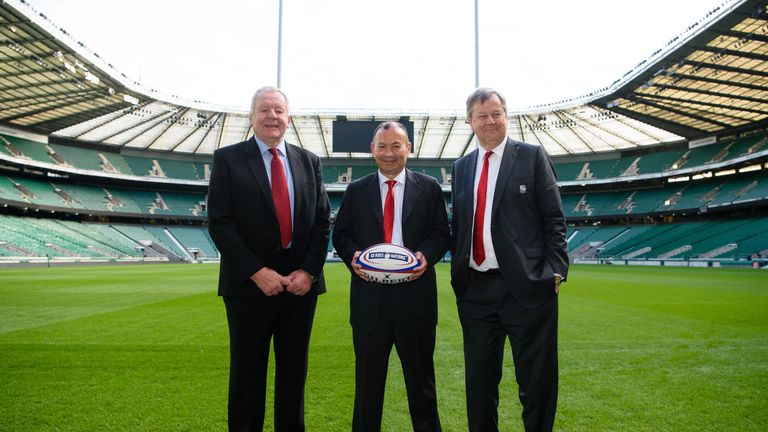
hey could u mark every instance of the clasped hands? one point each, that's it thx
(272, 283)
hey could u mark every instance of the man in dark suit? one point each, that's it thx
(404, 314)
(269, 216)
(509, 257)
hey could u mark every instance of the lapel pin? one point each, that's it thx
(523, 189)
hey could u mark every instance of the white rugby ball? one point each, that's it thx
(387, 263)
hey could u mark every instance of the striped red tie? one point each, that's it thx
(478, 248)
(389, 212)
(281, 198)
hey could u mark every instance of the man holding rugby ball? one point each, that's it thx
(406, 208)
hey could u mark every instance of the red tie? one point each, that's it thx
(389, 212)
(281, 198)
(478, 248)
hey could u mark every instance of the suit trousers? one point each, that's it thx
(415, 346)
(253, 322)
(489, 315)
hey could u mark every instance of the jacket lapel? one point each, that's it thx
(505, 170)
(373, 193)
(411, 194)
(256, 164)
(297, 173)
(469, 181)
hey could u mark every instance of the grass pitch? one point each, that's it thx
(144, 348)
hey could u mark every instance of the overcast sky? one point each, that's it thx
(411, 55)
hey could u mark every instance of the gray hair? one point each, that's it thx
(481, 95)
(390, 124)
(263, 90)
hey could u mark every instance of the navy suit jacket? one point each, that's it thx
(243, 222)
(359, 224)
(527, 223)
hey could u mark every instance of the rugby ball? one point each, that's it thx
(387, 263)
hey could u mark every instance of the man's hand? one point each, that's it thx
(269, 281)
(418, 271)
(558, 279)
(357, 268)
(301, 282)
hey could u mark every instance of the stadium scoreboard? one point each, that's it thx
(355, 136)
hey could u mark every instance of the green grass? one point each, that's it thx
(144, 348)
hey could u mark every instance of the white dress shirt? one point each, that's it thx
(494, 163)
(398, 190)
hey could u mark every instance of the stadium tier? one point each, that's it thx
(102, 161)
(25, 237)
(687, 196)
(726, 239)
(29, 237)
(198, 237)
(693, 195)
(99, 199)
(584, 200)
(607, 166)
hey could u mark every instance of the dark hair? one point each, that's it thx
(481, 95)
(390, 124)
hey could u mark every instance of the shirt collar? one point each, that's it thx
(263, 148)
(498, 150)
(400, 178)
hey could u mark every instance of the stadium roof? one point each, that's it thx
(710, 80)
(716, 81)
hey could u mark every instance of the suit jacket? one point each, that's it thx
(527, 223)
(243, 222)
(359, 224)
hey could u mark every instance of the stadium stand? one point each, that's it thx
(178, 169)
(144, 166)
(89, 197)
(568, 171)
(25, 148)
(434, 171)
(658, 162)
(634, 163)
(8, 189)
(153, 245)
(733, 239)
(362, 171)
(716, 191)
(203, 170)
(79, 158)
(27, 236)
(618, 195)
(181, 203)
(39, 192)
(195, 238)
(116, 161)
(336, 174)
(166, 239)
(117, 239)
(585, 241)
(649, 200)
(708, 239)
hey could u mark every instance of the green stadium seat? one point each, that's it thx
(195, 238)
